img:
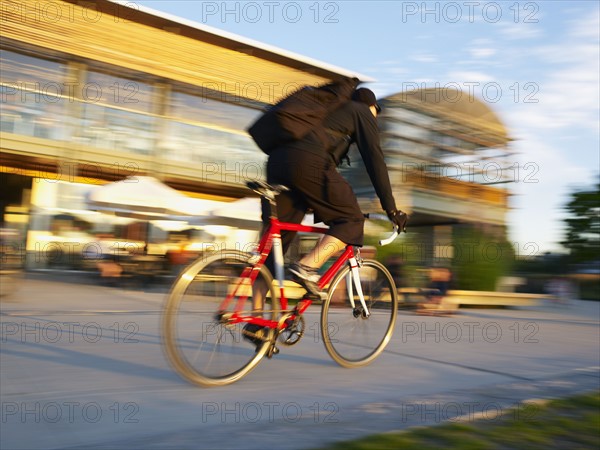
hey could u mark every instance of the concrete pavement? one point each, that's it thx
(81, 366)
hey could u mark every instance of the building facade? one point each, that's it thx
(95, 92)
(451, 165)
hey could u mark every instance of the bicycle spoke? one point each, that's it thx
(351, 338)
(200, 343)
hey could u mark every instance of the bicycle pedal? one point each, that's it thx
(272, 351)
(294, 338)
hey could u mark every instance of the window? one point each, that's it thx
(114, 91)
(194, 108)
(117, 114)
(33, 96)
(201, 129)
(108, 109)
(28, 71)
(406, 130)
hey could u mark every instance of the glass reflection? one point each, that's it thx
(33, 96)
(201, 129)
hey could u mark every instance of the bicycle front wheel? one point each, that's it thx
(199, 340)
(352, 338)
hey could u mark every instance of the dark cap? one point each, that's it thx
(367, 96)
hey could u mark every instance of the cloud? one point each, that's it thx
(390, 62)
(480, 48)
(482, 52)
(568, 91)
(396, 70)
(520, 31)
(424, 58)
(549, 133)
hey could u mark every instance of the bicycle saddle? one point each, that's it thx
(266, 190)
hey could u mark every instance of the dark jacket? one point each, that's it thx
(356, 121)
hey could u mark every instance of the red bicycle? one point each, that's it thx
(215, 331)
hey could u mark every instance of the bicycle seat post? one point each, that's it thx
(272, 209)
(268, 193)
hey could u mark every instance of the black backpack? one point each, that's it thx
(301, 112)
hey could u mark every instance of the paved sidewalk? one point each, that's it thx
(434, 369)
(396, 413)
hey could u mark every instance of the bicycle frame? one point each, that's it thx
(271, 241)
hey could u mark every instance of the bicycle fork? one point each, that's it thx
(353, 281)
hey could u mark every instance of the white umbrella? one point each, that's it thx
(146, 198)
(243, 213)
(88, 216)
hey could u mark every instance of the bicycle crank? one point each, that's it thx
(293, 331)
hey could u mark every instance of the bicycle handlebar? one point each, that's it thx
(390, 238)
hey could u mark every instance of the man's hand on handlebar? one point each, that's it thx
(399, 219)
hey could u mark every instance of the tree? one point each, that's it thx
(583, 225)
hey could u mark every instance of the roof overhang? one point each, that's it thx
(158, 46)
(233, 41)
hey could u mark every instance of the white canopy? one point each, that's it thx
(146, 198)
(243, 213)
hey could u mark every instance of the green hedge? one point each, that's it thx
(477, 258)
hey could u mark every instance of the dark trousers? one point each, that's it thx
(315, 185)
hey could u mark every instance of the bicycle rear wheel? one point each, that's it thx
(201, 344)
(352, 339)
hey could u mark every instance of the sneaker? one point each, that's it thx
(251, 333)
(307, 277)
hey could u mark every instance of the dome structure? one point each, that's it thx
(459, 107)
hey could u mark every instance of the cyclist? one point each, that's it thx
(309, 168)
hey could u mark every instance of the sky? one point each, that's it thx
(536, 64)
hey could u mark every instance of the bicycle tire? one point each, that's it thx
(355, 341)
(199, 346)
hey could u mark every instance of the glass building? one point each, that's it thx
(450, 165)
(128, 92)
(93, 92)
